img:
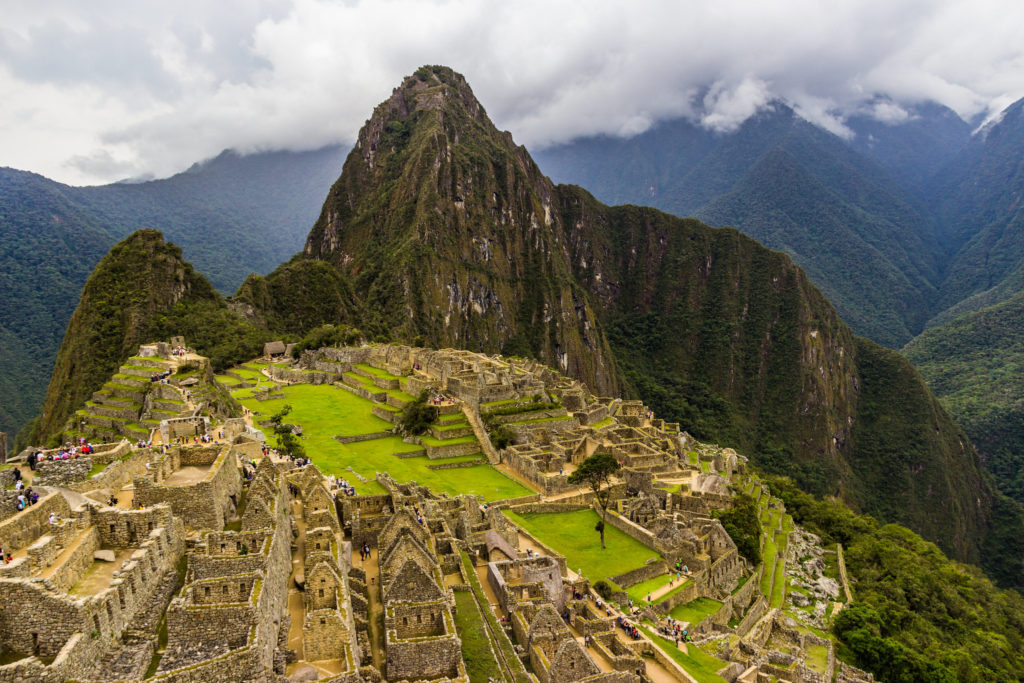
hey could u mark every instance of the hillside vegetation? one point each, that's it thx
(916, 615)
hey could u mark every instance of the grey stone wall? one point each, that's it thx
(62, 473)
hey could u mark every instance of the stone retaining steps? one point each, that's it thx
(115, 410)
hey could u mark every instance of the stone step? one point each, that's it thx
(127, 412)
(141, 371)
(125, 391)
(131, 381)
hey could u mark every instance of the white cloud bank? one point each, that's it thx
(93, 92)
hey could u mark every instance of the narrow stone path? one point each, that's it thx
(375, 609)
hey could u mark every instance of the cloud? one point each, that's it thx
(96, 90)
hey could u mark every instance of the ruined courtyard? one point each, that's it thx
(205, 555)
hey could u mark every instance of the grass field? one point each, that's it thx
(695, 611)
(640, 591)
(572, 534)
(324, 411)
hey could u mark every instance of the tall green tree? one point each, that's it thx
(286, 440)
(596, 472)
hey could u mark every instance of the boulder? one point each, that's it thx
(104, 555)
(304, 674)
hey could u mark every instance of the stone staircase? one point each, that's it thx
(129, 404)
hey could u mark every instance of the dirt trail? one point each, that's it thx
(375, 608)
(98, 576)
(64, 554)
(296, 603)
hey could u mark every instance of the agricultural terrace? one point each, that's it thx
(325, 411)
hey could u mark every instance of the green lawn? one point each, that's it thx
(695, 611)
(572, 534)
(324, 411)
(779, 585)
(639, 591)
(817, 658)
(768, 553)
(476, 651)
(699, 664)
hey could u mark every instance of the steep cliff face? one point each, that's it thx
(139, 278)
(449, 235)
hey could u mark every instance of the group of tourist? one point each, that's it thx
(442, 400)
(179, 351)
(66, 452)
(26, 496)
(673, 628)
(364, 552)
(159, 376)
(628, 627)
(340, 486)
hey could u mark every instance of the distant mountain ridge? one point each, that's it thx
(232, 215)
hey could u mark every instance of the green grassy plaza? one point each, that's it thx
(695, 611)
(324, 411)
(572, 534)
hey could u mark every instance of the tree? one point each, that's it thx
(596, 472)
(417, 416)
(286, 440)
(743, 526)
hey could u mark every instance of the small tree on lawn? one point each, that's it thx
(286, 440)
(596, 472)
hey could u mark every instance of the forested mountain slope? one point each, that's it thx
(792, 186)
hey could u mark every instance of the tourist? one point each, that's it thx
(19, 485)
(7, 558)
(17, 474)
(53, 519)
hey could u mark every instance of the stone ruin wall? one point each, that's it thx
(78, 631)
(205, 504)
(116, 475)
(62, 473)
(254, 623)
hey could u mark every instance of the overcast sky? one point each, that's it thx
(92, 92)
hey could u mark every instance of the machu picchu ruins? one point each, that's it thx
(172, 540)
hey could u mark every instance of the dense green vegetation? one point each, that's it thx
(975, 365)
(417, 415)
(141, 291)
(917, 615)
(743, 526)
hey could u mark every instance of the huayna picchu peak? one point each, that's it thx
(472, 378)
